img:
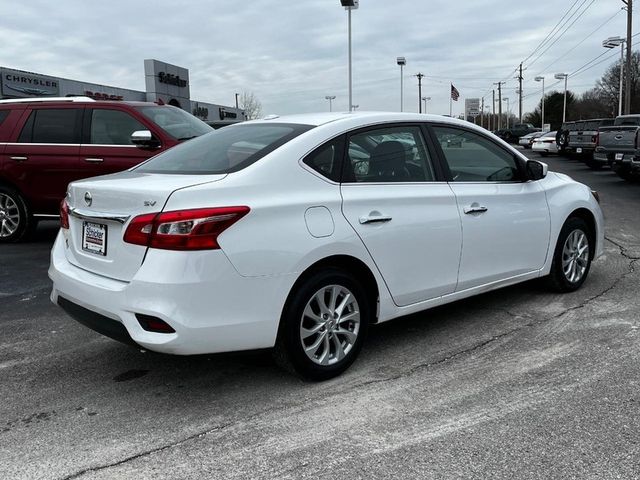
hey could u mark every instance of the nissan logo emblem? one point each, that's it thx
(88, 199)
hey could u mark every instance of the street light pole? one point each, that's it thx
(506, 99)
(627, 100)
(402, 62)
(425, 99)
(613, 42)
(330, 98)
(565, 76)
(541, 79)
(350, 5)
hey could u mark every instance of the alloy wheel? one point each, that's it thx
(575, 256)
(9, 216)
(330, 325)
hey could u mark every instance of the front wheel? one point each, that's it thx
(572, 257)
(15, 219)
(323, 325)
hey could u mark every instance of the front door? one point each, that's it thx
(505, 218)
(406, 218)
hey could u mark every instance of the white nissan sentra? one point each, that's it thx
(299, 232)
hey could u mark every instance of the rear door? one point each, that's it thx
(106, 143)
(44, 158)
(505, 219)
(406, 216)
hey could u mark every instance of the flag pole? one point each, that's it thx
(451, 101)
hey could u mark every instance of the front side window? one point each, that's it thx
(474, 158)
(176, 122)
(227, 150)
(3, 115)
(52, 125)
(113, 127)
(393, 154)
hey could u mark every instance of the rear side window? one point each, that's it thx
(227, 150)
(3, 115)
(52, 126)
(621, 121)
(327, 159)
(113, 127)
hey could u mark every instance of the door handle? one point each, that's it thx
(374, 219)
(475, 208)
(19, 159)
(94, 160)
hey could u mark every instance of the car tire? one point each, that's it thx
(16, 221)
(627, 175)
(571, 260)
(315, 340)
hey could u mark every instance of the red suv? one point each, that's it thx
(47, 143)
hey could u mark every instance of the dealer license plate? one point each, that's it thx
(619, 156)
(94, 238)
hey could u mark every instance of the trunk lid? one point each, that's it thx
(102, 207)
(618, 138)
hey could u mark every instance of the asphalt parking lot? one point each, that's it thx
(517, 383)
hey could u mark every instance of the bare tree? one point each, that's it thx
(251, 105)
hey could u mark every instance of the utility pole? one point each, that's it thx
(520, 78)
(493, 111)
(482, 114)
(627, 100)
(499, 84)
(419, 75)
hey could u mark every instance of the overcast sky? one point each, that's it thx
(291, 54)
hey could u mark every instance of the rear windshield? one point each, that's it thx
(176, 122)
(227, 150)
(621, 121)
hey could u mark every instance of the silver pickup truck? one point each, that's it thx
(619, 147)
(583, 139)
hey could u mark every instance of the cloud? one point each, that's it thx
(292, 54)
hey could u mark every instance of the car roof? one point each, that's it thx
(77, 99)
(365, 118)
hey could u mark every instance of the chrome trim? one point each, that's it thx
(78, 99)
(90, 215)
(31, 144)
(45, 215)
(94, 160)
(19, 159)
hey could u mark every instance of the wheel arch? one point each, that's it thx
(350, 264)
(586, 215)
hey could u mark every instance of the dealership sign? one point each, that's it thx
(472, 107)
(22, 84)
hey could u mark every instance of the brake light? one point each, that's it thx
(64, 214)
(196, 229)
(596, 139)
(637, 139)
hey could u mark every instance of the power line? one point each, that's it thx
(581, 42)
(564, 31)
(552, 31)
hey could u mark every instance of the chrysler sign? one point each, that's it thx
(22, 84)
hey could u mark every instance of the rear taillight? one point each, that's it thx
(596, 139)
(64, 214)
(196, 229)
(637, 139)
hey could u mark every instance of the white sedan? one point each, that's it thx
(527, 140)
(300, 232)
(545, 144)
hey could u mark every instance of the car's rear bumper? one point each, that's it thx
(201, 296)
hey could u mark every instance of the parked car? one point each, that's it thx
(519, 130)
(619, 146)
(46, 143)
(329, 225)
(527, 140)
(562, 137)
(545, 144)
(583, 139)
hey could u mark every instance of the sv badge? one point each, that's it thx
(149, 203)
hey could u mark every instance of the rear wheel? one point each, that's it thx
(15, 219)
(323, 325)
(628, 176)
(572, 257)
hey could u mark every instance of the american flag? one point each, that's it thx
(455, 94)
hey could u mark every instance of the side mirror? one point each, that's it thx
(144, 139)
(536, 170)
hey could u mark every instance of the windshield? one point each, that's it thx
(621, 121)
(227, 150)
(175, 121)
